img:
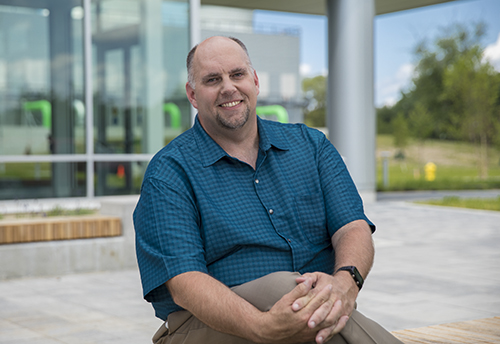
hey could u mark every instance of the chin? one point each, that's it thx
(234, 123)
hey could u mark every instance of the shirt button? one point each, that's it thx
(256, 181)
(271, 211)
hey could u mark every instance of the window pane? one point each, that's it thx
(119, 178)
(42, 180)
(41, 77)
(139, 51)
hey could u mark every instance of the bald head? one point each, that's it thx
(211, 43)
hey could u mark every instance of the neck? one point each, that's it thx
(242, 143)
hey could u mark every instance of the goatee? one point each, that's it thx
(234, 123)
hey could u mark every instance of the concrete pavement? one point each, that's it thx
(433, 265)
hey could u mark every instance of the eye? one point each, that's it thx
(211, 80)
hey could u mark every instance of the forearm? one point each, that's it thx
(353, 245)
(215, 304)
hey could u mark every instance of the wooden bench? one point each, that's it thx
(59, 228)
(473, 332)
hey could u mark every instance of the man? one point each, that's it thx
(264, 208)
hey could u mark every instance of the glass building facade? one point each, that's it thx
(89, 91)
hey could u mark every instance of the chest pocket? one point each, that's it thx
(311, 213)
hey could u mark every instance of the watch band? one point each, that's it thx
(358, 279)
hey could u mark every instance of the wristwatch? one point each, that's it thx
(358, 279)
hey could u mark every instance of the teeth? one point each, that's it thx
(230, 104)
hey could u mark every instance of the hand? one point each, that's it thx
(331, 316)
(283, 324)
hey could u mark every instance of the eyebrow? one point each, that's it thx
(238, 70)
(233, 71)
(210, 76)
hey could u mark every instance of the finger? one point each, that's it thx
(301, 290)
(341, 324)
(327, 314)
(309, 275)
(327, 333)
(317, 298)
(307, 294)
(304, 301)
(324, 335)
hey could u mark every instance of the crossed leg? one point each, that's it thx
(263, 293)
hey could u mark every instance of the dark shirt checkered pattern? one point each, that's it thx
(202, 210)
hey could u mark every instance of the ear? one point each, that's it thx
(256, 81)
(191, 95)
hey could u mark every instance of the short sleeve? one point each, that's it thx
(342, 201)
(168, 240)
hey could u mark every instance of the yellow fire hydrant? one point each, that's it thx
(430, 171)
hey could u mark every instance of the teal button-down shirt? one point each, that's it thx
(202, 210)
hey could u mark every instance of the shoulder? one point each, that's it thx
(294, 133)
(173, 156)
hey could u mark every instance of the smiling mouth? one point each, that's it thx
(231, 104)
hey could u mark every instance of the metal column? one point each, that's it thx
(350, 109)
(152, 57)
(194, 34)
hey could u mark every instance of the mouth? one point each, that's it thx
(231, 104)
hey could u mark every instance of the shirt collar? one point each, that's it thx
(269, 137)
(210, 151)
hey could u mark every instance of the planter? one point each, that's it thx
(59, 228)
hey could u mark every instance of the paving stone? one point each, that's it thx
(433, 265)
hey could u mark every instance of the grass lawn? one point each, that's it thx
(456, 166)
(471, 203)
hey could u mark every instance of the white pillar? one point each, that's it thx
(152, 48)
(194, 34)
(350, 110)
(89, 98)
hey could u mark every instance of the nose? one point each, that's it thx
(227, 86)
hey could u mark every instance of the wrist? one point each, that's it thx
(346, 279)
(348, 287)
(355, 275)
(258, 327)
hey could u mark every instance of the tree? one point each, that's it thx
(456, 90)
(400, 132)
(471, 86)
(315, 92)
(385, 115)
(428, 81)
(421, 124)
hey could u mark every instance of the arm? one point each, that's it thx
(350, 237)
(221, 309)
(213, 303)
(353, 245)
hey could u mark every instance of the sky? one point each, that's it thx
(395, 36)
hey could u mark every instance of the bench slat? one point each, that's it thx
(482, 331)
(60, 228)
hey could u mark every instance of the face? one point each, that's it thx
(226, 87)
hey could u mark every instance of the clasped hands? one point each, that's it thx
(315, 310)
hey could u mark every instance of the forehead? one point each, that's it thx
(219, 55)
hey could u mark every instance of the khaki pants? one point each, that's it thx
(184, 328)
